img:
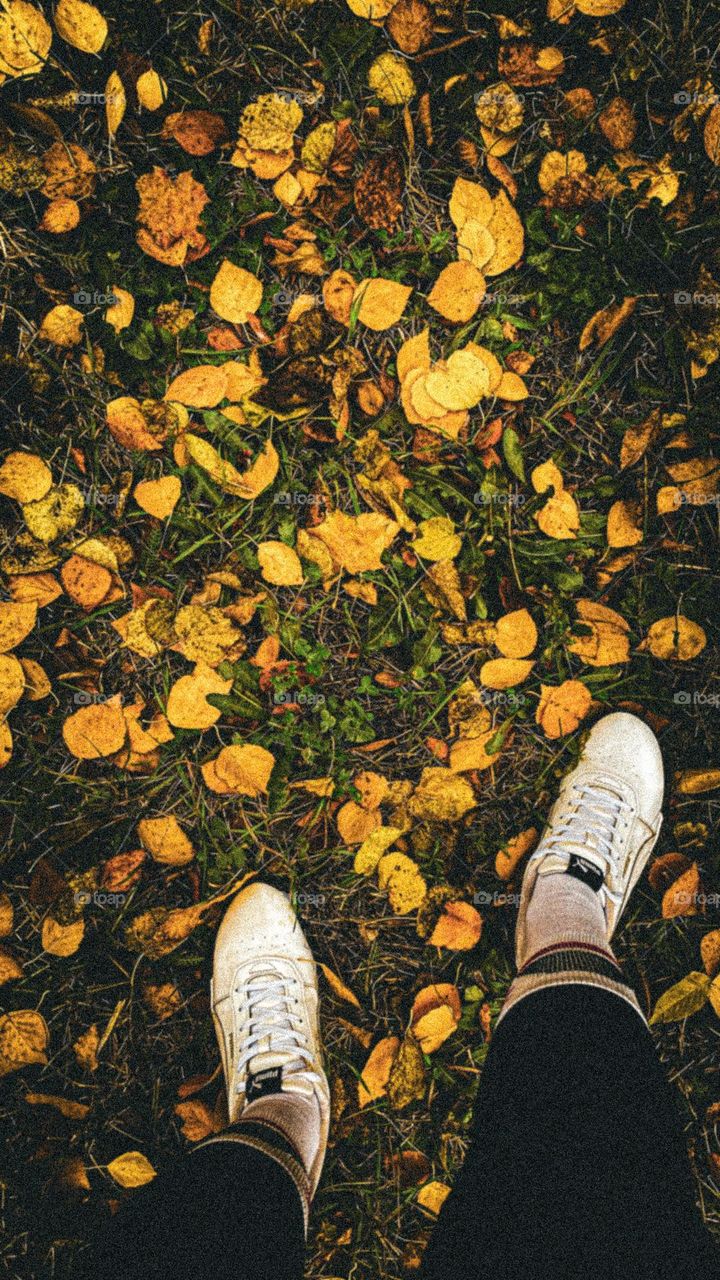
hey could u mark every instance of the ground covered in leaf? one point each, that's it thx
(359, 378)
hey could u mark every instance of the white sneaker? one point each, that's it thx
(264, 996)
(606, 820)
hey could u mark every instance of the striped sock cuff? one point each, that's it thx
(269, 1140)
(570, 963)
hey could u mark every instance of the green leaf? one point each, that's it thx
(685, 998)
(513, 453)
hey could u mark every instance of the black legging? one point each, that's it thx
(577, 1171)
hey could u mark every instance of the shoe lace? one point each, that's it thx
(274, 1026)
(590, 828)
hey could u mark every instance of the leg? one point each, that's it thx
(241, 1198)
(224, 1204)
(577, 1168)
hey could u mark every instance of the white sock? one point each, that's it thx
(563, 909)
(296, 1115)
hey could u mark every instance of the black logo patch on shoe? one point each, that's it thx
(585, 871)
(261, 1083)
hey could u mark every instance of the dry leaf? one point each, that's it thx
(96, 731)
(433, 1196)
(158, 497)
(458, 927)
(376, 1072)
(241, 770)
(676, 638)
(61, 939)
(381, 302)
(132, 1169)
(165, 840)
(561, 708)
(23, 1040)
(187, 705)
(24, 477)
(681, 898)
(280, 565)
(435, 1015)
(235, 294)
(81, 25)
(507, 860)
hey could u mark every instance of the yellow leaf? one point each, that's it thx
(441, 586)
(390, 78)
(441, 796)
(437, 539)
(381, 302)
(559, 518)
(432, 1196)
(458, 928)
(601, 327)
(355, 824)
(240, 770)
(681, 898)
(187, 705)
(120, 313)
(356, 543)
(516, 634)
(6, 743)
(460, 382)
(400, 876)
(25, 40)
(470, 202)
(561, 708)
(622, 524)
(507, 860)
(25, 477)
(115, 103)
(55, 514)
(373, 847)
(204, 633)
(61, 939)
(675, 638)
(35, 588)
(202, 387)
(248, 484)
(458, 292)
(12, 683)
(10, 968)
(556, 165)
(470, 752)
(407, 1075)
(414, 354)
(235, 294)
(132, 1169)
(165, 840)
(81, 25)
(710, 952)
(435, 1015)
(71, 1110)
(61, 215)
(23, 1040)
(96, 731)
(607, 642)
(694, 782)
(151, 90)
(504, 673)
(86, 1049)
(158, 497)
(337, 985)
(86, 582)
(376, 1072)
(6, 915)
(62, 326)
(506, 228)
(682, 1000)
(279, 564)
